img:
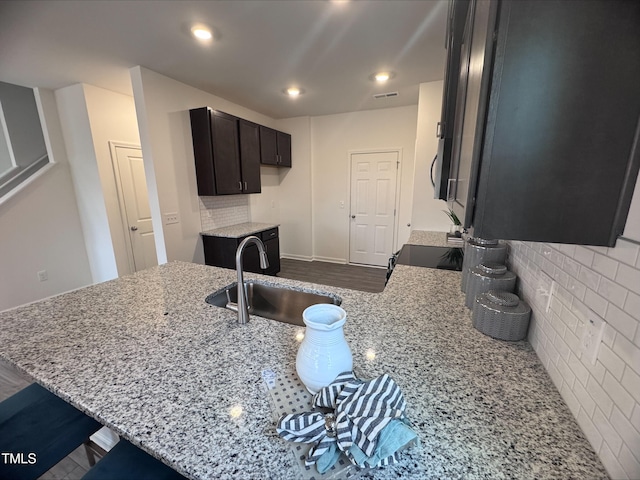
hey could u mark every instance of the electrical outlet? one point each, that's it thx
(546, 290)
(341, 203)
(171, 218)
(43, 276)
(592, 332)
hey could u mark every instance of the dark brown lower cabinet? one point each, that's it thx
(221, 252)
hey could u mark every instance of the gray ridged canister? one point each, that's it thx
(477, 251)
(488, 276)
(501, 315)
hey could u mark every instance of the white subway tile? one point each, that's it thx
(628, 352)
(548, 267)
(601, 397)
(626, 252)
(608, 433)
(576, 288)
(631, 382)
(570, 319)
(629, 462)
(554, 374)
(584, 398)
(605, 265)
(580, 310)
(629, 277)
(609, 335)
(611, 463)
(568, 249)
(629, 435)
(563, 295)
(561, 277)
(598, 249)
(581, 373)
(595, 302)
(621, 398)
(567, 374)
(635, 417)
(589, 430)
(572, 341)
(621, 321)
(590, 278)
(597, 371)
(632, 305)
(571, 267)
(562, 349)
(611, 362)
(613, 292)
(570, 399)
(583, 255)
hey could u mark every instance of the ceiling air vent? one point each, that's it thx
(386, 95)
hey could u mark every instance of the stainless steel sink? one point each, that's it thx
(279, 303)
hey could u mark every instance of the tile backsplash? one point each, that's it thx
(224, 210)
(589, 282)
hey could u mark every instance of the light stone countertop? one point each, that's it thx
(422, 237)
(146, 356)
(239, 230)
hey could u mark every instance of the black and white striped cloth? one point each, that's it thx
(362, 409)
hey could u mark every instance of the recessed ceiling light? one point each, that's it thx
(382, 76)
(293, 91)
(201, 32)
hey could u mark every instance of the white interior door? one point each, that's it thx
(132, 186)
(373, 207)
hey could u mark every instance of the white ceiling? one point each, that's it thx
(327, 48)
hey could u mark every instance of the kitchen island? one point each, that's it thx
(147, 357)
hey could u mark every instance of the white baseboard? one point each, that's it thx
(331, 260)
(290, 256)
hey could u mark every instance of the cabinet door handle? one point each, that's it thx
(245, 186)
(433, 163)
(438, 129)
(240, 185)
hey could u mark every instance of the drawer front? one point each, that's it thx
(269, 234)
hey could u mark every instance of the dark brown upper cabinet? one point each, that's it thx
(546, 143)
(226, 151)
(249, 138)
(275, 147)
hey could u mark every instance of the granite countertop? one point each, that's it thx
(422, 237)
(239, 230)
(146, 356)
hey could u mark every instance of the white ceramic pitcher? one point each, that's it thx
(324, 352)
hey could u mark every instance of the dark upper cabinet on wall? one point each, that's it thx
(249, 136)
(226, 151)
(275, 147)
(545, 146)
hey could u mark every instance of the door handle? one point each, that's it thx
(245, 186)
(240, 185)
(134, 228)
(353, 216)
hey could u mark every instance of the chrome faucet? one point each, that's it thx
(243, 304)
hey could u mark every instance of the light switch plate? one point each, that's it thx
(592, 332)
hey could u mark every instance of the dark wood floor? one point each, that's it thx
(366, 279)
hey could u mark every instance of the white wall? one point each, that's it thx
(162, 108)
(40, 227)
(76, 128)
(592, 281)
(427, 211)
(112, 117)
(293, 204)
(332, 137)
